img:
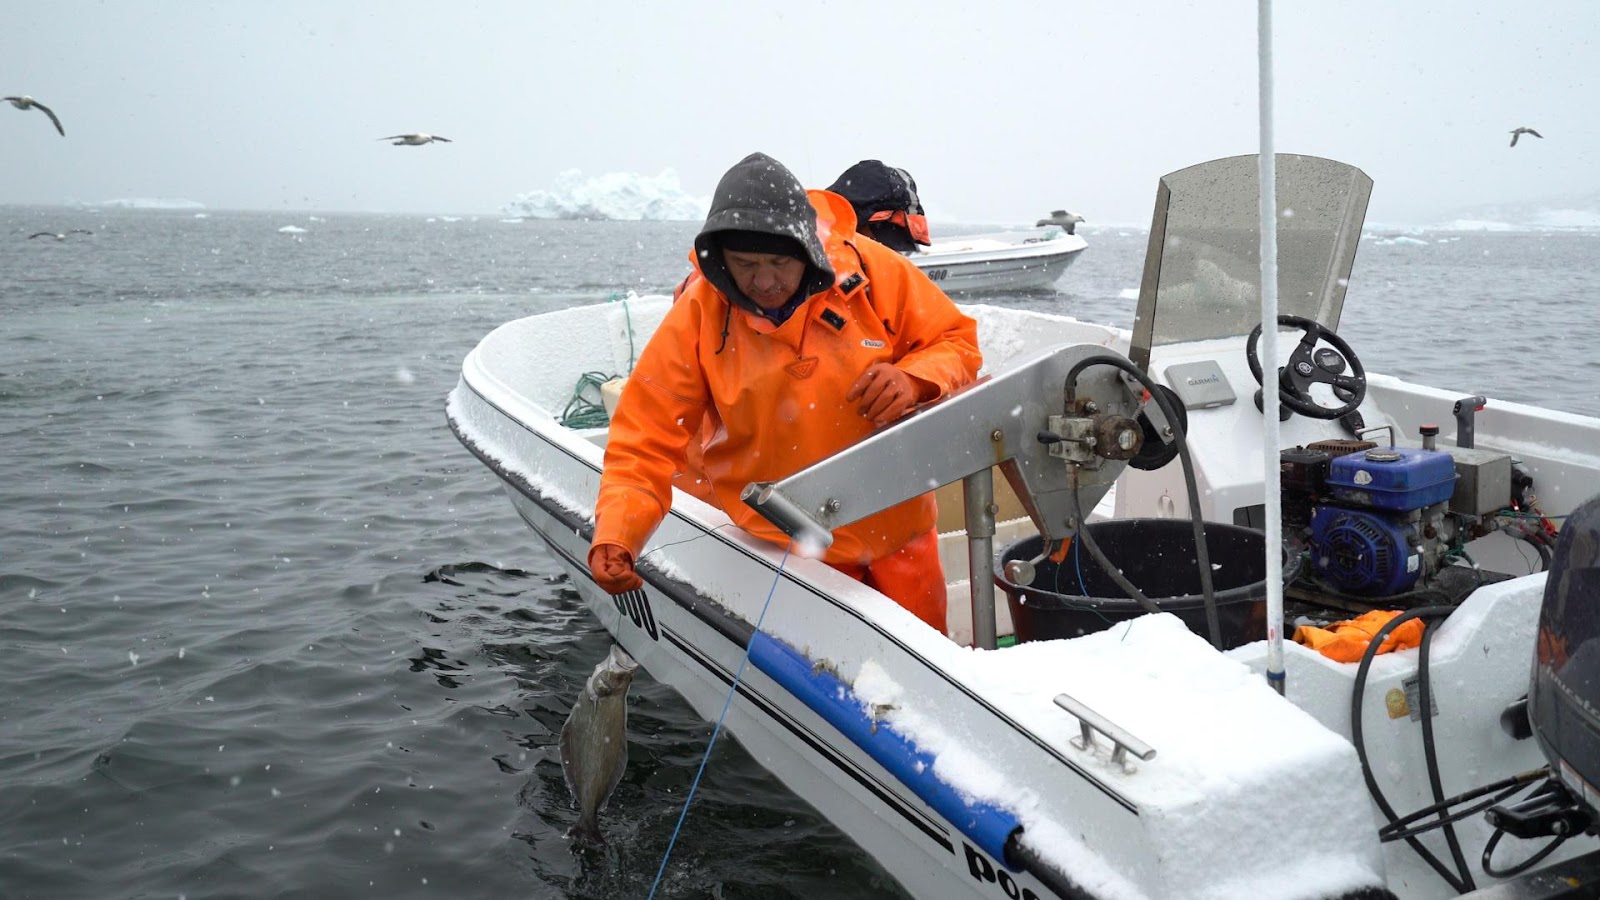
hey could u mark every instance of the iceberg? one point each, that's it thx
(616, 195)
(1544, 219)
(1571, 213)
(138, 203)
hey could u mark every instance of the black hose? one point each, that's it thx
(1525, 865)
(1505, 786)
(1360, 744)
(1201, 551)
(1430, 753)
(1543, 549)
(1086, 539)
(1406, 599)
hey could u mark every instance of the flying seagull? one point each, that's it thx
(415, 139)
(1066, 220)
(1519, 132)
(26, 102)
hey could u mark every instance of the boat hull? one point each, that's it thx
(1232, 752)
(690, 642)
(1016, 261)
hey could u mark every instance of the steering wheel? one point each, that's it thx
(1307, 366)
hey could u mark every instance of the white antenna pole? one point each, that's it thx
(1269, 356)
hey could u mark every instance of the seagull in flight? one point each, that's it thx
(1067, 220)
(1519, 132)
(415, 139)
(26, 102)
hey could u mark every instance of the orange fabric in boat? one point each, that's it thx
(773, 397)
(911, 576)
(1347, 641)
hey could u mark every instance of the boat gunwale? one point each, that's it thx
(1043, 249)
(678, 593)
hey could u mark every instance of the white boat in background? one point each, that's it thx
(1017, 260)
(1150, 759)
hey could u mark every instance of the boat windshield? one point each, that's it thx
(1203, 267)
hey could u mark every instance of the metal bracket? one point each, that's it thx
(1362, 433)
(1077, 440)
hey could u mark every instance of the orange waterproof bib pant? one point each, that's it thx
(911, 576)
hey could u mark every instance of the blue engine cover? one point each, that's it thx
(1365, 553)
(1397, 478)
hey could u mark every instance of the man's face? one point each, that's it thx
(768, 279)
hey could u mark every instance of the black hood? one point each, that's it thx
(761, 194)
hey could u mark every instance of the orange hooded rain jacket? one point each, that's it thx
(762, 401)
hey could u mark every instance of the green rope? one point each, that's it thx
(582, 411)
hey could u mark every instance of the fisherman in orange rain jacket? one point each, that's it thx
(794, 338)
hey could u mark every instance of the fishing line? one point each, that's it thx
(732, 689)
(687, 541)
(1088, 602)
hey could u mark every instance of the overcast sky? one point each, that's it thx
(1002, 111)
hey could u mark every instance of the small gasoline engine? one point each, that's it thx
(1380, 521)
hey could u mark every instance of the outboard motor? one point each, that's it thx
(1559, 713)
(1566, 675)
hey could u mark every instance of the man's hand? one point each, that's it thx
(885, 392)
(612, 567)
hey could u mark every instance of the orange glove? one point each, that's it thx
(612, 568)
(886, 393)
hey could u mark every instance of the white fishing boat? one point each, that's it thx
(1016, 260)
(1111, 753)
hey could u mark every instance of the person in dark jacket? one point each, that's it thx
(886, 203)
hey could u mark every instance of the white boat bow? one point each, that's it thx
(1018, 260)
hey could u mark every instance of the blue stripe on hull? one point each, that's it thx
(988, 827)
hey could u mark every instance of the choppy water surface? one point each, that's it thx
(270, 631)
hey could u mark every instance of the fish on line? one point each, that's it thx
(594, 740)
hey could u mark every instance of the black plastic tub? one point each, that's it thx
(1077, 597)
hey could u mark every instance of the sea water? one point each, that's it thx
(269, 630)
